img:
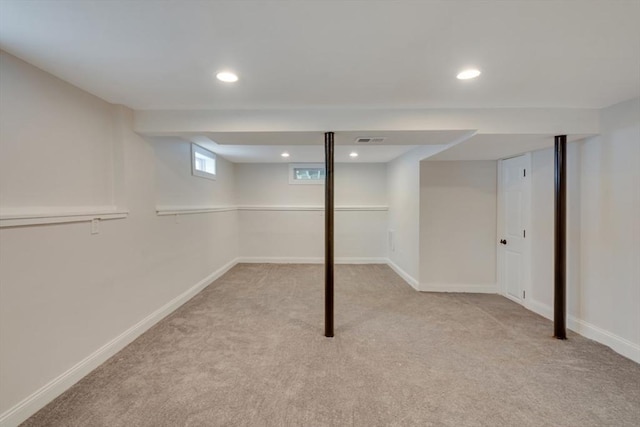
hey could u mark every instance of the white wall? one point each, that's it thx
(177, 187)
(65, 292)
(403, 189)
(603, 283)
(36, 112)
(289, 232)
(542, 225)
(458, 226)
(541, 232)
(610, 228)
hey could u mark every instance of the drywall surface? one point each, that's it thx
(177, 187)
(603, 236)
(403, 189)
(458, 225)
(610, 229)
(40, 119)
(69, 297)
(541, 232)
(277, 224)
(267, 184)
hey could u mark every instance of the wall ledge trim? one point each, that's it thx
(310, 208)
(20, 217)
(189, 210)
(476, 288)
(310, 260)
(618, 344)
(36, 401)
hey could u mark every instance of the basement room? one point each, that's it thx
(314, 213)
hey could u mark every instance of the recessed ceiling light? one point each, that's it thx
(468, 74)
(285, 154)
(227, 77)
(353, 154)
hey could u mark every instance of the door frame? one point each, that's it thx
(526, 249)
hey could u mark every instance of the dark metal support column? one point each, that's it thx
(328, 235)
(560, 289)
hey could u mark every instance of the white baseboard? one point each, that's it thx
(360, 260)
(279, 260)
(616, 343)
(30, 405)
(311, 260)
(476, 288)
(539, 308)
(406, 276)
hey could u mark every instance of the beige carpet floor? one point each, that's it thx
(249, 351)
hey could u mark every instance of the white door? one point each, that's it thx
(513, 228)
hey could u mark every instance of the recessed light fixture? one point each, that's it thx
(285, 154)
(227, 77)
(468, 74)
(353, 154)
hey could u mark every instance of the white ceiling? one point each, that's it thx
(405, 137)
(308, 147)
(152, 55)
(475, 147)
(496, 146)
(307, 153)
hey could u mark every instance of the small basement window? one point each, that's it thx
(306, 173)
(203, 162)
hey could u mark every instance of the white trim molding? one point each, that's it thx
(475, 288)
(189, 210)
(186, 210)
(539, 308)
(406, 276)
(310, 208)
(29, 406)
(618, 344)
(19, 217)
(311, 260)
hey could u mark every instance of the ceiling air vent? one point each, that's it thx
(369, 140)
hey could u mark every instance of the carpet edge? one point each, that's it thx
(47, 393)
(620, 345)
